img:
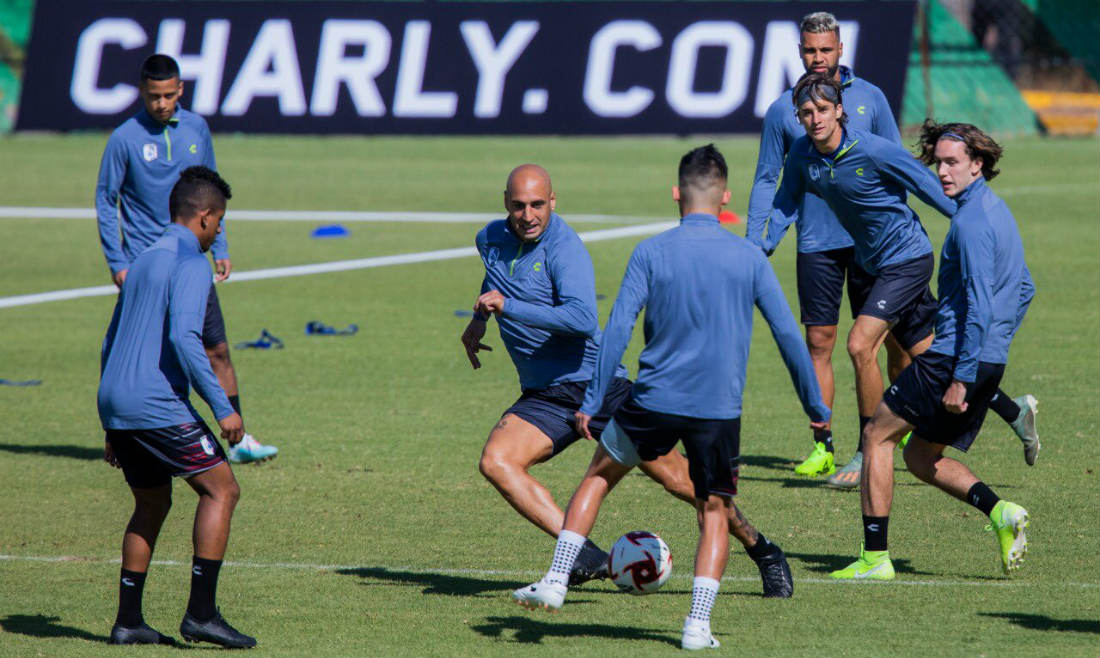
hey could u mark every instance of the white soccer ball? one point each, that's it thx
(640, 562)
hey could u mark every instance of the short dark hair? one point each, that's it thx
(703, 167)
(978, 144)
(818, 87)
(199, 188)
(159, 67)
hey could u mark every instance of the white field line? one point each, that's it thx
(306, 566)
(335, 266)
(38, 212)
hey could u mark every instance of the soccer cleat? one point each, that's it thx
(591, 564)
(1009, 520)
(848, 476)
(904, 440)
(871, 565)
(820, 462)
(216, 630)
(140, 634)
(775, 574)
(697, 636)
(1025, 427)
(541, 595)
(250, 450)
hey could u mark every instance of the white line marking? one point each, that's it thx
(335, 266)
(306, 566)
(37, 212)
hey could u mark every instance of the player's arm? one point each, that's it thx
(977, 255)
(187, 297)
(571, 274)
(785, 205)
(109, 339)
(883, 123)
(769, 164)
(788, 337)
(900, 166)
(1027, 293)
(112, 172)
(633, 295)
(475, 330)
(220, 249)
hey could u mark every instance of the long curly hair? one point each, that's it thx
(978, 144)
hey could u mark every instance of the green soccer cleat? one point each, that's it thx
(1009, 520)
(848, 476)
(904, 440)
(820, 462)
(871, 565)
(1024, 426)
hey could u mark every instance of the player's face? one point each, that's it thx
(161, 97)
(529, 203)
(820, 119)
(211, 226)
(954, 167)
(821, 52)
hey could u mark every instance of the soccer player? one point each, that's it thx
(985, 290)
(142, 161)
(540, 286)
(698, 284)
(825, 250)
(152, 354)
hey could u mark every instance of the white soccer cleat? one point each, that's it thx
(697, 636)
(249, 450)
(541, 595)
(1025, 427)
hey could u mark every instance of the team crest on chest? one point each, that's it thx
(492, 256)
(149, 152)
(815, 174)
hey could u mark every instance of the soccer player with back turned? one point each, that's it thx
(985, 289)
(152, 355)
(142, 161)
(698, 284)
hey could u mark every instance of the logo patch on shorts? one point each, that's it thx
(207, 447)
(149, 152)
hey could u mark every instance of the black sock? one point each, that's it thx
(1004, 407)
(204, 587)
(826, 437)
(131, 585)
(235, 402)
(874, 532)
(762, 548)
(863, 420)
(982, 497)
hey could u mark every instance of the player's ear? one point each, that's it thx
(976, 165)
(839, 110)
(676, 193)
(553, 200)
(726, 196)
(839, 49)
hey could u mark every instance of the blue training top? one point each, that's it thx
(549, 324)
(140, 166)
(153, 349)
(698, 284)
(818, 228)
(984, 285)
(864, 181)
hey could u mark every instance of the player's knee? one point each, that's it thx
(860, 349)
(155, 507)
(493, 465)
(820, 342)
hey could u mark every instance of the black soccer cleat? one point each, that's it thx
(591, 564)
(775, 574)
(140, 634)
(216, 630)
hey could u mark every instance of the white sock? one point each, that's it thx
(703, 592)
(565, 553)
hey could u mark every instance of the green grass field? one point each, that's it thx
(374, 534)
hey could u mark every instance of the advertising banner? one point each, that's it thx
(446, 67)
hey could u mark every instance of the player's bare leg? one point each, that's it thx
(151, 507)
(864, 341)
(710, 562)
(897, 359)
(880, 438)
(513, 447)
(820, 341)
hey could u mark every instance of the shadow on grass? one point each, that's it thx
(434, 583)
(532, 631)
(73, 452)
(45, 627)
(1044, 623)
(824, 563)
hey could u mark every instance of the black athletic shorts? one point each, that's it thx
(713, 446)
(917, 396)
(151, 458)
(900, 295)
(821, 278)
(213, 327)
(552, 409)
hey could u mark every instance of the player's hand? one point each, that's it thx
(490, 302)
(819, 425)
(109, 455)
(232, 428)
(119, 278)
(471, 340)
(582, 425)
(222, 267)
(954, 400)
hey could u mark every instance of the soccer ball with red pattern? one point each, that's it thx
(640, 562)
